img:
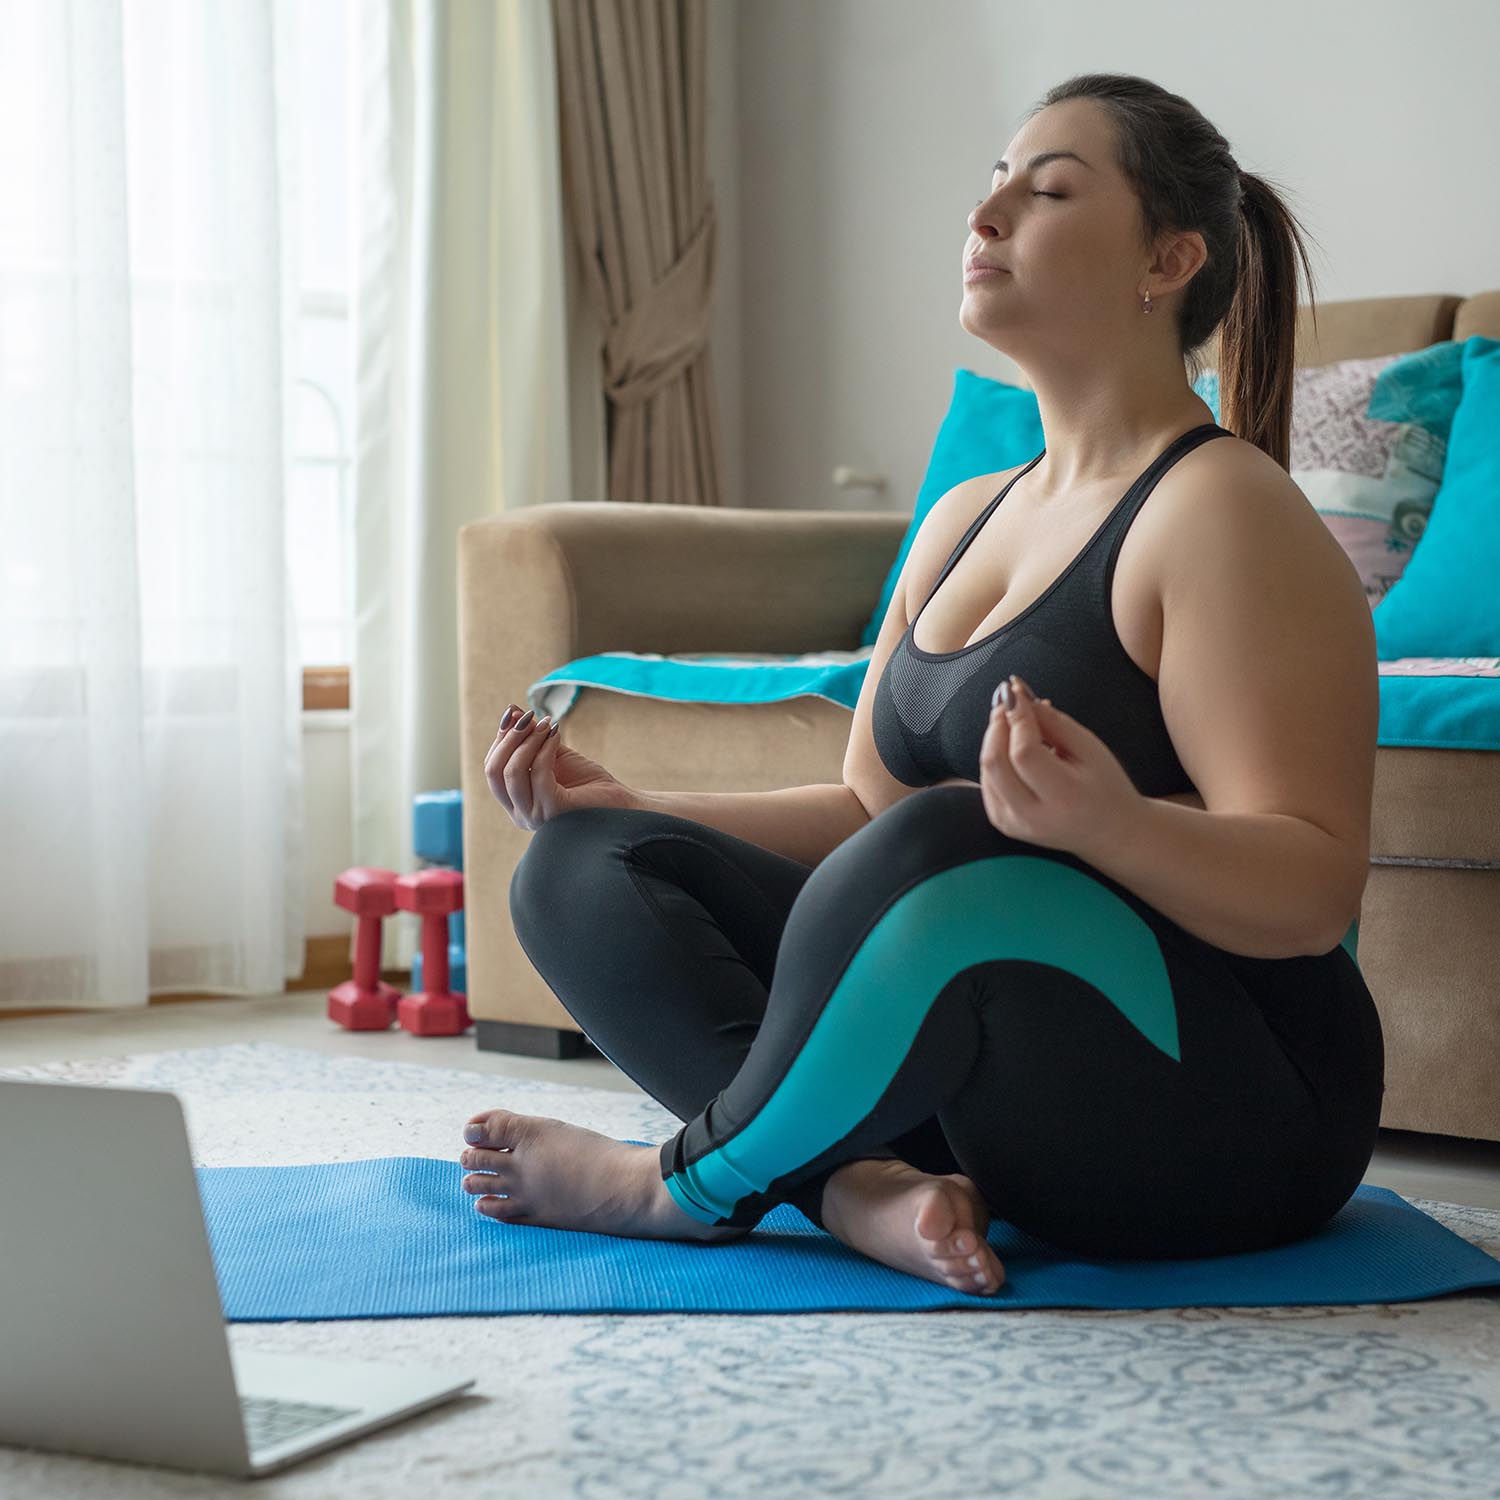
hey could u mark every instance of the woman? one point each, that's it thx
(1091, 978)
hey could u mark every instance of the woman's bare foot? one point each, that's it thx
(933, 1227)
(566, 1177)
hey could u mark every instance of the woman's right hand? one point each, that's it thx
(534, 776)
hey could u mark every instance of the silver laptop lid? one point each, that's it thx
(112, 1334)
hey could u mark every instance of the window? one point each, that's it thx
(320, 513)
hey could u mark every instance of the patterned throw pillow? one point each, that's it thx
(1368, 441)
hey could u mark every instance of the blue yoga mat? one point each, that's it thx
(397, 1237)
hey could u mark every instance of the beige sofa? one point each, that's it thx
(559, 581)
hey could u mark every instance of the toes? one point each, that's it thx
(490, 1172)
(963, 1256)
(978, 1282)
(479, 1160)
(969, 1261)
(499, 1208)
(943, 1224)
(494, 1128)
(989, 1275)
(487, 1182)
(937, 1221)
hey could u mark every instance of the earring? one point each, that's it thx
(1146, 305)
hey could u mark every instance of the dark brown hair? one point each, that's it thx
(1187, 179)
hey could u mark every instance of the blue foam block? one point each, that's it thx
(397, 1237)
(437, 828)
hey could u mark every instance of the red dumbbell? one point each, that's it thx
(433, 894)
(366, 1002)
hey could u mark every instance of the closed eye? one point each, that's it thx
(1034, 195)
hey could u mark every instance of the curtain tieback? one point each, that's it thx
(663, 332)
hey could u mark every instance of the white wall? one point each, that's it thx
(868, 129)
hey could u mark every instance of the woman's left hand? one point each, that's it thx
(1047, 779)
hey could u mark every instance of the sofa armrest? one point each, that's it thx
(550, 583)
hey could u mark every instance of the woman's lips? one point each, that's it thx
(983, 273)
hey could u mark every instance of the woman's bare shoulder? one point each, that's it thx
(1229, 493)
(950, 515)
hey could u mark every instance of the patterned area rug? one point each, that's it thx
(1400, 1401)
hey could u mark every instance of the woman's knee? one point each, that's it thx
(552, 875)
(942, 825)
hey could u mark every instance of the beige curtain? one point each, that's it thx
(631, 82)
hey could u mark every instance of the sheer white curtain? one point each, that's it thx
(150, 735)
(477, 392)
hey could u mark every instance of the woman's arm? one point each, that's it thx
(1267, 885)
(1269, 687)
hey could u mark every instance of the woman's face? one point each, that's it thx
(1065, 231)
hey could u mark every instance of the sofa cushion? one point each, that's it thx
(1448, 599)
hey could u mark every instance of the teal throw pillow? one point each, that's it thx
(1447, 602)
(990, 426)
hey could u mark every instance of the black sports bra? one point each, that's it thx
(931, 708)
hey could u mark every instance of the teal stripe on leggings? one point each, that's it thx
(1014, 906)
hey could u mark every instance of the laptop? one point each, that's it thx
(112, 1338)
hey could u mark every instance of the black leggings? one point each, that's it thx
(938, 992)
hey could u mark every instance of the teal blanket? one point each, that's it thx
(1447, 703)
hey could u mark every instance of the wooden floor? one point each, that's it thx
(1445, 1168)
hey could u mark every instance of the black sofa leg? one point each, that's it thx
(532, 1041)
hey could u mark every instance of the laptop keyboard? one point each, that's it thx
(269, 1421)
